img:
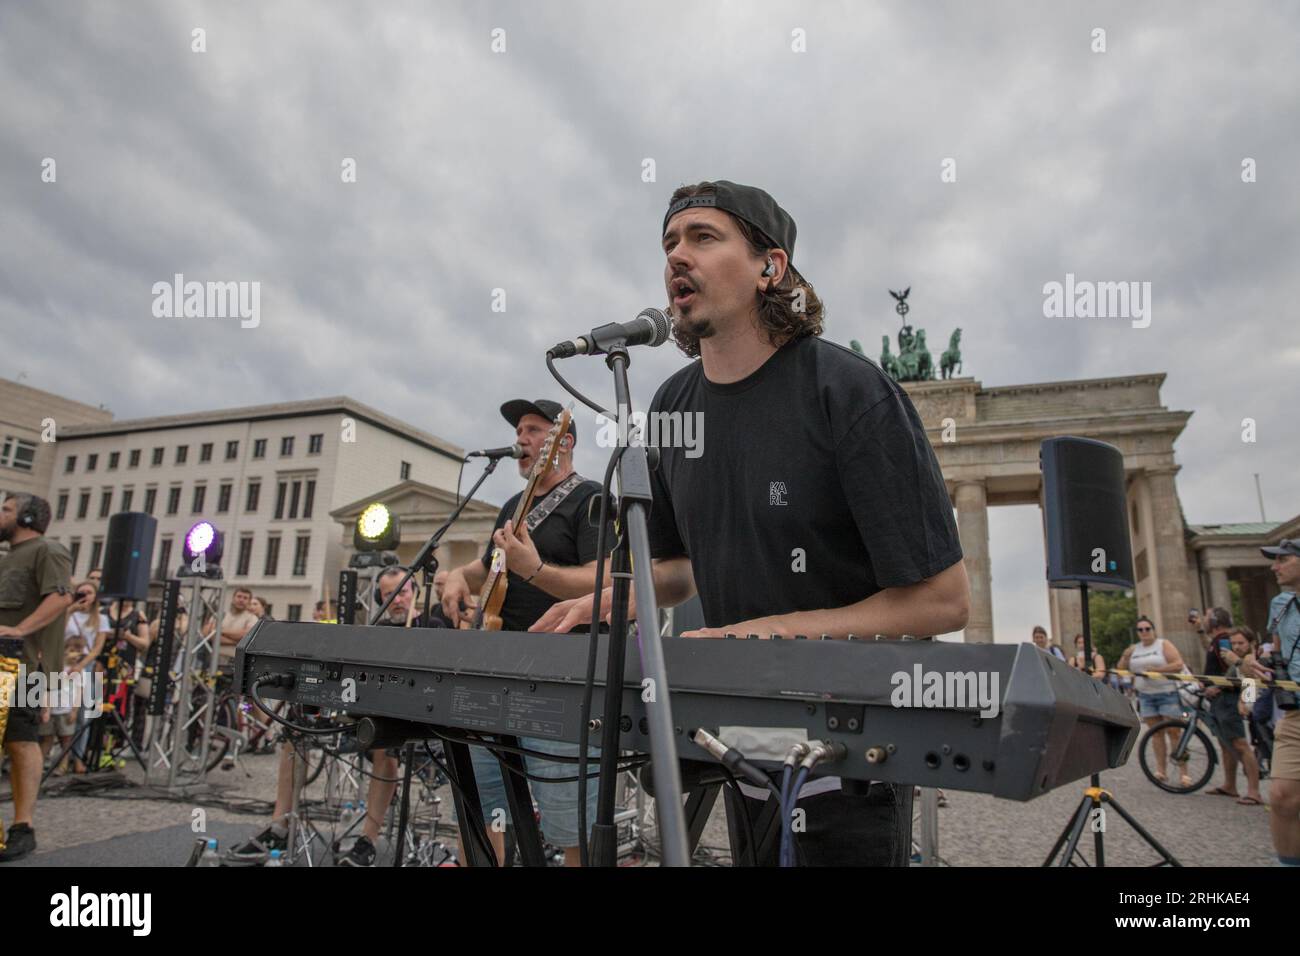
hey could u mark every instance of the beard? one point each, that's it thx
(699, 326)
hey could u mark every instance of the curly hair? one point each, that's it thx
(786, 311)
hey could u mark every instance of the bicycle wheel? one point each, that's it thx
(1198, 763)
(224, 728)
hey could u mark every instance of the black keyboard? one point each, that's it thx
(992, 718)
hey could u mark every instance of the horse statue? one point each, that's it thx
(887, 362)
(950, 361)
(924, 363)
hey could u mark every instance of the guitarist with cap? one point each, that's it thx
(550, 556)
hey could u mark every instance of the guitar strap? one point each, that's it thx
(547, 505)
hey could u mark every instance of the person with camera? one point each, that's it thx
(1284, 771)
(1224, 716)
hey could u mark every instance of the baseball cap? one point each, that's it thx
(1285, 546)
(749, 203)
(517, 408)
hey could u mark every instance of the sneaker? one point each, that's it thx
(20, 842)
(258, 849)
(361, 854)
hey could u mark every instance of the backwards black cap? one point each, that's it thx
(749, 203)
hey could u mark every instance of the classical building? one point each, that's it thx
(1230, 552)
(31, 422)
(268, 477)
(987, 442)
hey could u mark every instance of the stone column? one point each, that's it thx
(1177, 590)
(1067, 617)
(973, 527)
(1220, 596)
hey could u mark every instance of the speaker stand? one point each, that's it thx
(1094, 797)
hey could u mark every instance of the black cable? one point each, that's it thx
(476, 827)
(550, 365)
(405, 808)
(734, 783)
(593, 635)
(308, 731)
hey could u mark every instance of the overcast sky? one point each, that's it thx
(522, 170)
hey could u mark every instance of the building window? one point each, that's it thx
(69, 464)
(127, 495)
(223, 497)
(157, 457)
(405, 471)
(182, 453)
(92, 462)
(61, 508)
(105, 503)
(200, 492)
(113, 458)
(96, 552)
(133, 459)
(309, 498)
(150, 499)
(280, 489)
(74, 549)
(250, 503)
(300, 556)
(232, 450)
(293, 500)
(272, 556)
(286, 446)
(205, 452)
(259, 448)
(83, 504)
(174, 499)
(314, 443)
(295, 612)
(164, 558)
(18, 453)
(245, 555)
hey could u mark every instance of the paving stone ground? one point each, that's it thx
(974, 830)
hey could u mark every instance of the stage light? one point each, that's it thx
(201, 555)
(377, 529)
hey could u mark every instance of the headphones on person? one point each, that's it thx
(376, 598)
(769, 270)
(29, 515)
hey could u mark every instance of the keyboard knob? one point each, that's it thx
(825, 637)
(751, 637)
(853, 637)
(731, 637)
(775, 637)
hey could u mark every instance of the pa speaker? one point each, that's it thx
(1085, 515)
(128, 554)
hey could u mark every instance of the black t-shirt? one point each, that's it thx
(565, 537)
(814, 486)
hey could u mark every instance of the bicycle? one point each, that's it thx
(1193, 756)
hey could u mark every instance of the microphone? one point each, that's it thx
(649, 328)
(509, 451)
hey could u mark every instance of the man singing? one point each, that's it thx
(817, 505)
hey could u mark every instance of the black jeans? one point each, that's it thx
(840, 829)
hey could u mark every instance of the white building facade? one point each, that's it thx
(267, 477)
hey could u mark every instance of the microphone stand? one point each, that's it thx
(630, 564)
(428, 561)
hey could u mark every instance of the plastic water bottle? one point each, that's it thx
(210, 856)
(276, 859)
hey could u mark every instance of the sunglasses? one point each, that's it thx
(1146, 628)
